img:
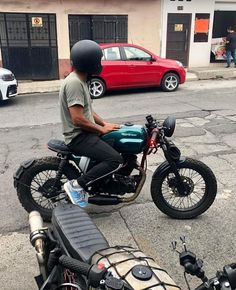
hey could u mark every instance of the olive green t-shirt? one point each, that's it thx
(73, 92)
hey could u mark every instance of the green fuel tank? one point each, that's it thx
(129, 139)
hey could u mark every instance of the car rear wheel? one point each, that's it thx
(97, 88)
(170, 82)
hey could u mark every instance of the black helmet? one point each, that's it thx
(86, 57)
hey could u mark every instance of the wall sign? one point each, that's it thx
(201, 29)
(37, 22)
(179, 27)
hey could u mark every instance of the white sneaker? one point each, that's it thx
(76, 193)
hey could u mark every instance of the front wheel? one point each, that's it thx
(200, 190)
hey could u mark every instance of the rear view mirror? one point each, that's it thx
(169, 126)
(152, 59)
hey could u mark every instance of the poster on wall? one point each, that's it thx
(218, 48)
(201, 28)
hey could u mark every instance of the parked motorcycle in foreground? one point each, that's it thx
(73, 254)
(181, 187)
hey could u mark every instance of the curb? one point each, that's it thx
(54, 86)
(214, 74)
(39, 87)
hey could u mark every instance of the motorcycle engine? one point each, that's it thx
(119, 184)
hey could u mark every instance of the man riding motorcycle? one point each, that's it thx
(81, 125)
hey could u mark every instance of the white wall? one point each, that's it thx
(225, 5)
(199, 53)
(143, 19)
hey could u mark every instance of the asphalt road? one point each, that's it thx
(206, 130)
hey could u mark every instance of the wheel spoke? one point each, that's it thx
(41, 186)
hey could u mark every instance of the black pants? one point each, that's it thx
(92, 146)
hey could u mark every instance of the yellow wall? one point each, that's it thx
(143, 17)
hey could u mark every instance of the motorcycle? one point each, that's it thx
(73, 254)
(181, 187)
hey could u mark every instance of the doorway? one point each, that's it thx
(178, 37)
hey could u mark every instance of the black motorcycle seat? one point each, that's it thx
(78, 233)
(58, 146)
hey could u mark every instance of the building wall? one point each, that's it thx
(143, 20)
(199, 54)
(225, 5)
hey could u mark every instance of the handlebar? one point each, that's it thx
(97, 275)
(153, 139)
(75, 265)
(224, 280)
(94, 273)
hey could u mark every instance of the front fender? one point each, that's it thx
(24, 165)
(163, 167)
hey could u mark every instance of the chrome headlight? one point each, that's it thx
(179, 63)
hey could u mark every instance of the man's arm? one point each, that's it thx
(78, 118)
(103, 123)
(98, 120)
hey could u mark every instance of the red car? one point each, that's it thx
(132, 66)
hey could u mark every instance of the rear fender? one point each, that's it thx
(24, 165)
(165, 166)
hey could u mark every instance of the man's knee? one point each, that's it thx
(116, 161)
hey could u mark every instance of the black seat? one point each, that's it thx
(79, 234)
(58, 146)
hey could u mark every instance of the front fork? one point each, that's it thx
(172, 162)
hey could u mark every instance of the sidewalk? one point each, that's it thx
(193, 74)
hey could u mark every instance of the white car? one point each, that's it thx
(8, 84)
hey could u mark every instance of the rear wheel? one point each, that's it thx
(36, 188)
(170, 82)
(97, 88)
(200, 190)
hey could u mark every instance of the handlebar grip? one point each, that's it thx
(153, 139)
(154, 134)
(75, 265)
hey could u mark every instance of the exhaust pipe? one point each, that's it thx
(36, 225)
(104, 200)
(37, 238)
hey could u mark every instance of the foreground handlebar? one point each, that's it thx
(224, 280)
(75, 265)
(94, 273)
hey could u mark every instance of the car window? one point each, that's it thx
(111, 53)
(133, 53)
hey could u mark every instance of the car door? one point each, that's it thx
(142, 69)
(114, 68)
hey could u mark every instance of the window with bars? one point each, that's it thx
(100, 28)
